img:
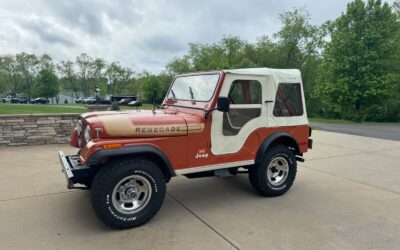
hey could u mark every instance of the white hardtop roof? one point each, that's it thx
(280, 75)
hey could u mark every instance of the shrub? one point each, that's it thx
(114, 106)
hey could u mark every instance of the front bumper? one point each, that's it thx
(74, 171)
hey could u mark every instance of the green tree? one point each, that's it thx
(358, 61)
(46, 62)
(396, 7)
(27, 65)
(91, 72)
(10, 75)
(298, 40)
(46, 84)
(68, 77)
(119, 79)
(179, 65)
(147, 82)
(84, 65)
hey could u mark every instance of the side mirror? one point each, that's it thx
(223, 104)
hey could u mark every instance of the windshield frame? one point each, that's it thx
(190, 75)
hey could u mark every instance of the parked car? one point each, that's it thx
(217, 123)
(40, 100)
(89, 100)
(125, 101)
(79, 100)
(6, 99)
(135, 104)
(20, 100)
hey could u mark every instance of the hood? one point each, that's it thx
(141, 123)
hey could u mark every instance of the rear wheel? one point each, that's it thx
(128, 193)
(275, 173)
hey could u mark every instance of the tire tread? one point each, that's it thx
(107, 173)
(257, 172)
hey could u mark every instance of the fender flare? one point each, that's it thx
(272, 139)
(98, 156)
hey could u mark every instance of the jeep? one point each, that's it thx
(218, 123)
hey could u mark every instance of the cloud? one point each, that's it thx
(140, 33)
(164, 43)
(47, 32)
(92, 16)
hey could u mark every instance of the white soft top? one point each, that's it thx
(279, 75)
(270, 80)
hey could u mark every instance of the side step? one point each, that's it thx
(223, 173)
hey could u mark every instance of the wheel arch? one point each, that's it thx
(282, 138)
(149, 152)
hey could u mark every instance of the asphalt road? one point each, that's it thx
(386, 131)
(346, 196)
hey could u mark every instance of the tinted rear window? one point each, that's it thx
(288, 101)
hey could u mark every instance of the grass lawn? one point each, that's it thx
(13, 109)
(337, 121)
(324, 120)
(18, 109)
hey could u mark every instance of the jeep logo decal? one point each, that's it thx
(201, 154)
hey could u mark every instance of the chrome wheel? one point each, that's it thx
(131, 194)
(277, 171)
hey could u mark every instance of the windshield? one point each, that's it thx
(196, 88)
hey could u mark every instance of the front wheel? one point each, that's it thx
(275, 173)
(128, 193)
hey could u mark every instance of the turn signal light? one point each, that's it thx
(112, 146)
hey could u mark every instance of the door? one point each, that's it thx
(247, 113)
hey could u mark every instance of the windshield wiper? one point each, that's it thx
(191, 95)
(173, 94)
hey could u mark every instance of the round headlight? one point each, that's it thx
(79, 127)
(88, 136)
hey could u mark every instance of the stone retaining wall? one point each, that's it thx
(22, 130)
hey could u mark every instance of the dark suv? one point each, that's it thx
(40, 100)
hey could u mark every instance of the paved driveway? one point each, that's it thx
(346, 196)
(381, 131)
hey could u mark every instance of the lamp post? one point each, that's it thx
(97, 91)
(109, 83)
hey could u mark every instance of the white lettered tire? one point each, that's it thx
(275, 173)
(127, 193)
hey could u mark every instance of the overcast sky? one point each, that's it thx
(143, 34)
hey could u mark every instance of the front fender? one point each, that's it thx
(99, 156)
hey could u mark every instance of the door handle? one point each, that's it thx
(268, 101)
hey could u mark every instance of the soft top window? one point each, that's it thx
(288, 101)
(245, 92)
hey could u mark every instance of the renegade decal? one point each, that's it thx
(195, 128)
(170, 129)
(160, 129)
(123, 126)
